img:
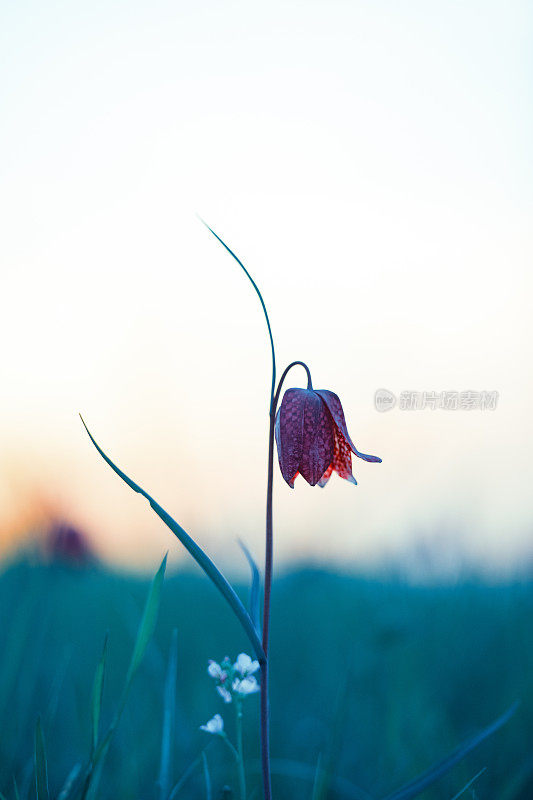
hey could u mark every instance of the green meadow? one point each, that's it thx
(373, 680)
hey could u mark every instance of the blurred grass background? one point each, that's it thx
(380, 677)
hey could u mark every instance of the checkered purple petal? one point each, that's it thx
(289, 433)
(318, 439)
(335, 408)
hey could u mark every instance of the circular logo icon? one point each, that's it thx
(384, 400)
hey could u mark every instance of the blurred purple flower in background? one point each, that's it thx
(68, 545)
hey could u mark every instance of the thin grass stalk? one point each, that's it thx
(169, 720)
(187, 774)
(240, 752)
(207, 778)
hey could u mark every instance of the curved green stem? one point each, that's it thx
(233, 749)
(265, 710)
(254, 284)
(274, 398)
(265, 747)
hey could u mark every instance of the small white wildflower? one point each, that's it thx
(245, 666)
(245, 686)
(225, 695)
(214, 726)
(215, 670)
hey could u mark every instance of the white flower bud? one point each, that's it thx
(225, 695)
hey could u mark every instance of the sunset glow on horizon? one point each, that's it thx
(380, 197)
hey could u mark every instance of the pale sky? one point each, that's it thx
(371, 165)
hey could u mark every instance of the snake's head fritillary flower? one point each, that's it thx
(313, 439)
(214, 726)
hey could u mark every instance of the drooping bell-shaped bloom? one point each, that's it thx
(313, 439)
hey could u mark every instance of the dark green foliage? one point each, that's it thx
(96, 704)
(379, 679)
(41, 767)
(169, 720)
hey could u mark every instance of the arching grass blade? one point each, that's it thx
(201, 558)
(147, 624)
(419, 784)
(263, 306)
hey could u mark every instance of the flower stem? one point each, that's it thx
(233, 749)
(274, 397)
(265, 757)
(265, 708)
(240, 755)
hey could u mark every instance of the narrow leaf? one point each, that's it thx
(96, 774)
(96, 699)
(146, 628)
(317, 783)
(263, 306)
(306, 772)
(197, 553)
(176, 789)
(207, 778)
(416, 786)
(147, 625)
(169, 719)
(70, 782)
(254, 587)
(469, 784)
(41, 767)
